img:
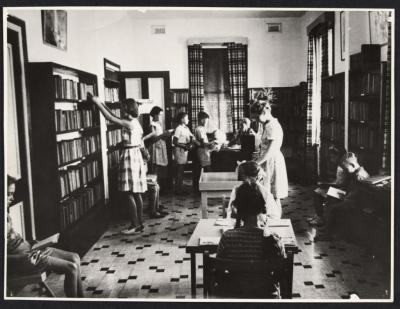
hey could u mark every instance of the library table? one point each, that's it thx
(216, 185)
(213, 229)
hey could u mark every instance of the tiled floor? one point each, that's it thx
(154, 264)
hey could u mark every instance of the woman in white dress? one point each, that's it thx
(271, 158)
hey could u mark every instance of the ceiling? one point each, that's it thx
(211, 13)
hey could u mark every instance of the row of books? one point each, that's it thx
(363, 137)
(180, 97)
(365, 84)
(175, 110)
(116, 112)
(78, 176)
(332, 88)
(111, 94)
(78, 204)
(113, 159)
(69, 150)
(359, 110)
(75, 119)
(113, 137)
(332, 110)
(332, 130)
(71, 89)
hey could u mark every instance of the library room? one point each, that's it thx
(132, 133)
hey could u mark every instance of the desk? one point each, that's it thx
(207, 228)
(225, 160)
(216, 185)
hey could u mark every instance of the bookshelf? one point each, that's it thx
(68, 187)
(332, 122)
(113, 132)
(365, 107)
(179, 102)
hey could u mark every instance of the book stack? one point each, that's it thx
(111, 95)
(363, 137)
(67, 120)
(78, 176)
(77, 205)
(70, 150)
(113, 137)
(113, 159)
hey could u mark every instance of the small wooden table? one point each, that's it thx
(216, 185)
(208, 228)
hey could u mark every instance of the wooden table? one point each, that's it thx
(216, 185)
(207, 228)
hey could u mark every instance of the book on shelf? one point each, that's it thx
(77, 205)
(47, 242)
(363, 137)
(111, 94)
(359, 110)
(113, 159)
(70, 88)
(332, 130)
(179, 97)
(114, 137)
(364, 84)
(116, 112)
(66, 120)
(70, 150)
(332, 110)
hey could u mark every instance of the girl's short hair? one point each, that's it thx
(131, 107)
(11, 180)
(202, 115)
(180, 116)
(155, 111)
(249, 200)
(249, 169)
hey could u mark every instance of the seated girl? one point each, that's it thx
(22, 259)
(251, 173)
(250, 242)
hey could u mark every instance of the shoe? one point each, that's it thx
(161, 207)
(156, 215)
(164, 213)
(131, 231)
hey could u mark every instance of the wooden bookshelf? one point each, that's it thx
(332, 122)
(113, 133)
(68, 188)
(366, 115)
(179, 102)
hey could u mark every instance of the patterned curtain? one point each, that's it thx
(325, 58)
(237, 57)
(196, 82)
(386, 157)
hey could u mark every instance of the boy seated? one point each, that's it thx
(353, 172)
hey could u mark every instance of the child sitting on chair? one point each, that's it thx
(352, 172)
(22, 259)
(251, 174)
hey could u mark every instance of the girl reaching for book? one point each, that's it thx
(132, 170)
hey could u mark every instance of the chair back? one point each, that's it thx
(227, 278)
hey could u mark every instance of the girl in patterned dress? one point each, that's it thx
(271, 158)
(132, 170)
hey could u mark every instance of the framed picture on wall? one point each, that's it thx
(342, 35)
(54, 28)
(378, 27)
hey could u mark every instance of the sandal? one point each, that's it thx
(134, 230)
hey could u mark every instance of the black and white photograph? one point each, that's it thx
(199, 154)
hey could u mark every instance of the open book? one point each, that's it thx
(203, 241)
(336, 193)
(376, 179)
(47, 242)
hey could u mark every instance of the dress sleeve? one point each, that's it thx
(178, 132)
(273, 130)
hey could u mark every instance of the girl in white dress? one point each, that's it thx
(132, 170)
(271, 158)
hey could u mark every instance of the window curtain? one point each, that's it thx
(217, 101)
(317, 67)
(386, 157)
(237, 60)
(196, 82)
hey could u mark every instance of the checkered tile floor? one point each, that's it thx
(154, 264)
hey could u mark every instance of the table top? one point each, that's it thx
(218, 181)
(213, 229)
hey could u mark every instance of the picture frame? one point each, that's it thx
(54, 28)
(342, 35)
(378, 27)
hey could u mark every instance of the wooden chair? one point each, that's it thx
(218, 270)
(18, 282)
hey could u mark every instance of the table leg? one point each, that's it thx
(193, 273)
(287, 280)
(204, 201)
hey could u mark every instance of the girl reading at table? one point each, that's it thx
(252, 175)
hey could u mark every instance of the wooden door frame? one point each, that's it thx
(16, 33)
